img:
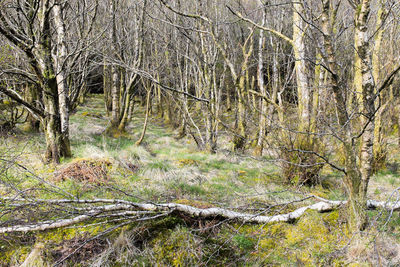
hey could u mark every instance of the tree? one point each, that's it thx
(357, 167)
(124, 58)
(37, 45)
(47, 59)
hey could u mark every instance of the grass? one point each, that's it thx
(174, 170)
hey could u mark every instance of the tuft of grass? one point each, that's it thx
(186, 189)
(162, 166)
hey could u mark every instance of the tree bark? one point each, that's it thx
(57, 144)
(368, 110)
(61, 77)
(303, 89)
(262, 124)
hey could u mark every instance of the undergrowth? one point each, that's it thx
(166, 169)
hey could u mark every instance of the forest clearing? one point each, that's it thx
(199, 133)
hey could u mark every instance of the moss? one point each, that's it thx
(6, 102)
(116, 133)
(59, 235)
(187, 162)
(316, 236)
(320, 191)
(16, 256)
(244, 242)
(177, 247)
(311, 241)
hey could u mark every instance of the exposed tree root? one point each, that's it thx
(126, 210)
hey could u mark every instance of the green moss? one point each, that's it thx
(311, 241)
(116, 133)
(59, 235)
(9, 255)
(244, 242)
(187, 162)
(177, 247)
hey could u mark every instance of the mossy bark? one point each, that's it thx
(379, 140)
(358, 166)
(57, 143)
(32, 122)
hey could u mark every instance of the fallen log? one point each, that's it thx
(121, 208)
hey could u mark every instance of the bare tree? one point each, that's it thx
(32, 34)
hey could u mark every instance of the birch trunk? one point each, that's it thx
(357, 174)
(57, 145)
(115, 74)
(261, 84)
(299, 49)
(61, 76)
(368, 118)
(379, 143)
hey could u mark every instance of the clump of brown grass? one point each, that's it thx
(85, 170)
(380, 250)
(78, 249)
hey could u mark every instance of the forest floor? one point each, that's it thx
(167, 169)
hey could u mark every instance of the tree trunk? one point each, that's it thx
(57, 144)
(61, 78)
(357, 174)
(379, 141)
(146, 118)
(115, 74)
(261, 84)
(107, 89)
(31, 96)
(115, 96)
(303, 89)
(368, 110)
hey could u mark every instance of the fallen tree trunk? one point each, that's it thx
(135, 211)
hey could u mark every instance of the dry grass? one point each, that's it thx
(122, 251)
(34, 259)
(85, 170)
(166, 169)
(379, 250)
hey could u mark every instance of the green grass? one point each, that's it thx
(174, 170)
(159, 165)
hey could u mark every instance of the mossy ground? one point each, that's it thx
(168, 169)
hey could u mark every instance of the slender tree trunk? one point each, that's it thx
(261, 84)
(368, 118)
(357, 175)
(115, 73)
(61, 76)
(275, 86)
(146, 118)
(107, 89)
(379, 142)
(239, 140)
(126, 103)
(115, 96)
(303, 89)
